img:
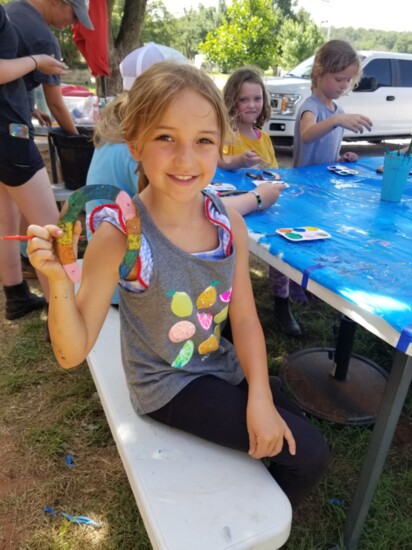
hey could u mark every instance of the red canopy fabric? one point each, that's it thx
(93, 45)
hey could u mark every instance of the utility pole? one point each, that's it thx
(327, 21)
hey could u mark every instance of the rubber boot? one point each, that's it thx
(297, 294)
(284, 317)
(20, 301)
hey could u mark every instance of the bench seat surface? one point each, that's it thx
(191, 494)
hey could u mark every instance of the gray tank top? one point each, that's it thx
(170, 334)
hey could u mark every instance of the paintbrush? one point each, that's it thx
(16, 237)
(23, 237)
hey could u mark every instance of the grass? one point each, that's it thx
(47, 413)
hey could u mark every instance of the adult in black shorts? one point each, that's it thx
(24, 183)
(31, 20)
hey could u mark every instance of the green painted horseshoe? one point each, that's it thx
(76, 203)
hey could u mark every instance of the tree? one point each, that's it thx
(299, 38)
(159, 24)
(123, 36)
(247, 35)
(193, 27)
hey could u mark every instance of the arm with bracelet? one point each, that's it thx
(11, 69)
(258, 198)
(262, 197)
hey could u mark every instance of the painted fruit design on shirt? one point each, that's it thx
(205, 320)
(209, 345)
(207, 298)
(181, 305)
(184, 355)
(184, 330)
(225, 296)
(221, 316)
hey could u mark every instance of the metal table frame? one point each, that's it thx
(400, 377)
(393, 399)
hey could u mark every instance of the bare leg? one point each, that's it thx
(10, 268)
(36, 202)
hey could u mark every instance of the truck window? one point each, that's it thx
(303, 70)
(381, 70)
(405, 73)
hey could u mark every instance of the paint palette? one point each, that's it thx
(303, 233)
(342, 170)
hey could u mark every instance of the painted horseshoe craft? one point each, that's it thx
(76, 203)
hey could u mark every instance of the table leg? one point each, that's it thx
(353, 396)
(344, 346)
(382, 435)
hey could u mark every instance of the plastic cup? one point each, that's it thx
(396, 169)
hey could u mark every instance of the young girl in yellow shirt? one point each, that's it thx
(248, 106)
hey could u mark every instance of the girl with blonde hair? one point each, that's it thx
(191, 275)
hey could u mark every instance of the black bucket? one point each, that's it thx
(75, 154)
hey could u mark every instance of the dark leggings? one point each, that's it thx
(215, 410)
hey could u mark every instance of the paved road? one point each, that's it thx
(361, 148)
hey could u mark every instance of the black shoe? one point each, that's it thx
(284, 317)
(20, 301)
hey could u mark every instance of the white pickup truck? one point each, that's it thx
(384, 94)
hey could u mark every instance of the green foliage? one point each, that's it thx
(116, 15)
(70, 54)
(285, 7)
(192, 29)
(247, 35)
(299, 39)
(183, 33)
(159, 24)
(371, 39)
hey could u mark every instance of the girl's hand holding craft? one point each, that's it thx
(41, 249)
(41, 252)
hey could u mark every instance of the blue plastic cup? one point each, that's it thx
(396, 169)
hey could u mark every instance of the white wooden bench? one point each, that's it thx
(191, 494)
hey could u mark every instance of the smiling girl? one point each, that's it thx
(191, 274)
(248, 107)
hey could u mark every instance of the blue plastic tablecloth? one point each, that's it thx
(368, 259)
